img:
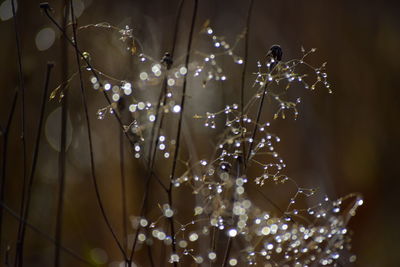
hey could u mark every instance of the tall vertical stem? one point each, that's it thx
(63, 141)
(24, 218)
(243, 78)
(180, 123)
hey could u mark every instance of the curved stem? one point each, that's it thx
(92, 165)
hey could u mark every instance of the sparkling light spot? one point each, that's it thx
(171, 82)
(233, 262)
(152, 117)
(132, 107)
(232, 232)
(141, 105)
(176, 109)
(115, 97)
(212, 255)
(143, 76)
(193, 237)
(266, 230)
(183, 71)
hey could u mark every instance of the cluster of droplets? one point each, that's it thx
(125, 35)
(275, 78)
(290, 237)
(208, 67)
(287, 237)
(303, 237)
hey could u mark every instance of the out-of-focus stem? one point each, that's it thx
(180, 122)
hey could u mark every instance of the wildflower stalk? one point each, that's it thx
(4, 154)
(258, 117)
(63, 142)
(22, 230)
(180, 122)
(156, 129)
(243, 77)
(241, 162)
(45, 236)
(6, 129)
(91, 69)
(23, 140)
(123, 189)
(92, 165)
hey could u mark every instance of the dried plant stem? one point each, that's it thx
(6, 129)
(25, 216)
(23, 140)
(66, 250)
(241, 161)
(180, 122)
(243, 77)
(95, 74)
(92, 70)
(123, 189)
(92, 165)
(4, 154)
(62, 160)
(156, 128)
(153, 151)
(258, 117)
(5, 132)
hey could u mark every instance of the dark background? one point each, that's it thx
(342, 143)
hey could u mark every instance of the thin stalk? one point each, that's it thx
(180, 122)
(22, 229)
(22, 89)
(92, 165)
(4, 154)
(123, 189)
(45, 236)
(156, 130)
(258, 117)
(91, 69)
(5, 131)
(62, 160)
(239, 172)
(227, 252)
(244, 69)
(95, 74)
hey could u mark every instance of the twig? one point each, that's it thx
(62, 160)
(156, 130)
(123, 189)
(7, 127)
(23, 140)
(22, 228)
(243, 78)
(92, 166)
(180, 122)
(90, 67)
(258, 116)
(4, 158)
(46, 236)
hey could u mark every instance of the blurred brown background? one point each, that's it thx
(341, 143)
